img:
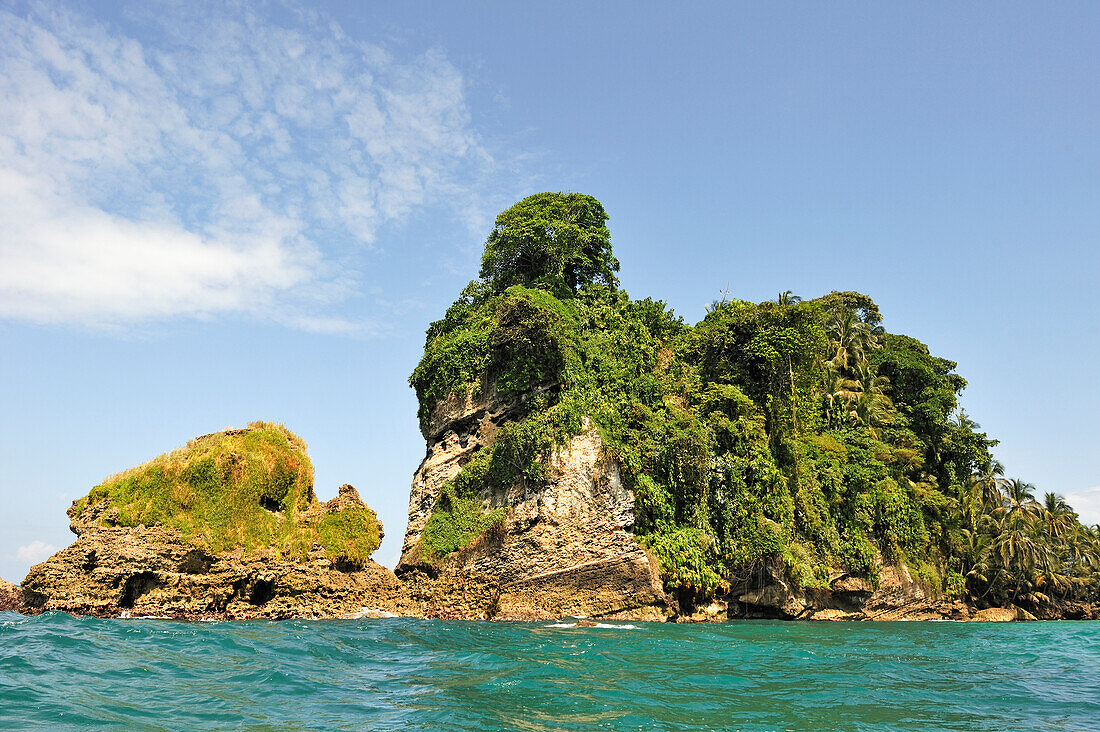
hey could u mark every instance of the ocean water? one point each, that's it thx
(60, 672)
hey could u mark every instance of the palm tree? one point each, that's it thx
(981, 493)
(1016, 552)
(1059, 519)
(1018, 502)
(850, 339)
(964, 422)
(975, 547)
(991, 483)
(720, 303)
(788, 298)
(866, 397)
(833, 387)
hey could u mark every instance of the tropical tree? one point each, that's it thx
(991, 483)
(720, 302)
(1018, 503)
(834, 390)
(850, 339)
(554, 241)
(975, 549)
(866, 397)
(1059, 520)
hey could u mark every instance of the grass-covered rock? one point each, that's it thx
(250, 489)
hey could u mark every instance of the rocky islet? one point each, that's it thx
(541, 496)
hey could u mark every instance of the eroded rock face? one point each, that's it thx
(566, 546)
(1002, 615)
(153, 571)
(897, 596)
(772, 594)
(459, 427)
(117, 571)
(11, 597)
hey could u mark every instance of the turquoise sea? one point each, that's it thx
(60, 672)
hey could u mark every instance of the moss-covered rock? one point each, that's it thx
(227, 526)
(248, 488)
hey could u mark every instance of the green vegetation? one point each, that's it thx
(794, 432)
(350, 535)
(250, 488)
(456, 523)
(552, 241)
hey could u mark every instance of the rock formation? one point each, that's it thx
(153, 571)
(121, 565)
(11, 598)
(564, 547)
(897, 595)
(141, 570)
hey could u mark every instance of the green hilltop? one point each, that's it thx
(249, 488)
(794, 432)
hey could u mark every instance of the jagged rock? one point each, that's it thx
(565, 547)
(1024, 615)
(114, 572)
(832, 614)
(153, 571)
(771, 595)
(996, 615)
(11, 597)
(287, 555)
(716, 612)
(455, 596)
(899, 596)
(1069, 610)
(458, 428)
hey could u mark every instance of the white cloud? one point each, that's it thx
(35, 552)
(1086, 502)
(211, 171)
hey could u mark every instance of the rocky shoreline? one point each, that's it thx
(378, 593)
(116, 571)
(131, 573)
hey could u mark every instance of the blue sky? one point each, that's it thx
(216, 213)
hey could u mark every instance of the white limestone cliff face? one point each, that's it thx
(566, 546)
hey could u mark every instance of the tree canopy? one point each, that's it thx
(552, 241)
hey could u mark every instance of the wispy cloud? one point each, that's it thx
(35, 552)
(218, 164)
(1086, 502)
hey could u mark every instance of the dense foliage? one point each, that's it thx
(250, 488)
(793, 432)
(558, 242)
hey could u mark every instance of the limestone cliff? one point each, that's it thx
(564, 546)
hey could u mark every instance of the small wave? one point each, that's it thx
(417, 675)
(625, 626)
(367, 612)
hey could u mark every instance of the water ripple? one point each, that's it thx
(60, 672)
